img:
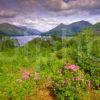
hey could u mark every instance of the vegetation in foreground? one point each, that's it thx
(53, 68)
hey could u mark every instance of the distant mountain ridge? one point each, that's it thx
(70, 29)
(96, 28)
(12, 30)
(61, 29)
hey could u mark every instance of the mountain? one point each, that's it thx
(12, 30)
(96, 28)
(31, 31)
(70, 29)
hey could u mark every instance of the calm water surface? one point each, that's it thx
(24, 39)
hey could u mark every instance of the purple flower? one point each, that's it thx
(26, 75)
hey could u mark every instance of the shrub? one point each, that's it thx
(69, 83)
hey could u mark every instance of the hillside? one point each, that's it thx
(12, 30)
(69, 30)
(96, 28)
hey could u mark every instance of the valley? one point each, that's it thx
(59, 67)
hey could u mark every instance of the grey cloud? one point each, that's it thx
(59, 7)
(7, 14)
(51, 7)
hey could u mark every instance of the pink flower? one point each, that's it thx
(77, 79)
(26, 75)
(72, 67)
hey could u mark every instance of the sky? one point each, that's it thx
(46, 14)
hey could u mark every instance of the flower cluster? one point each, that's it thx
(72, 67)
(26, 75)
(76, 78)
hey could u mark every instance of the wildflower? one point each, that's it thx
(72, 67)
(77, 79)
(26, 75)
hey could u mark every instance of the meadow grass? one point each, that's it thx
(44, 61)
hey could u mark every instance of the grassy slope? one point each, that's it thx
(9, 29)
(40, 56)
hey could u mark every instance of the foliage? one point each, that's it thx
(45, 58)
(69, 84)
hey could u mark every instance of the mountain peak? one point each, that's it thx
(13, 30)
(5, 24)
(81, 22)
(72, 28)
(61, 24)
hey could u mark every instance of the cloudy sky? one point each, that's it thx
(46, 14)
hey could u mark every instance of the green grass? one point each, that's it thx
(47, 58)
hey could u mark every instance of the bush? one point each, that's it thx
(69, 83)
